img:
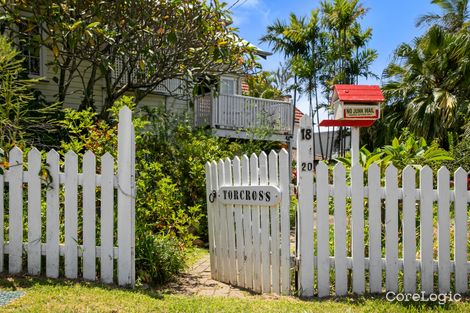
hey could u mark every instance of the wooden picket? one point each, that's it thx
(375, 229)
(284, 184)
(255, 226)
(409, 230)
(249, 244)
(15, 183)
(443, 229)
(274, 217)
(34, 212)
(340, 265)
(248, 241)
(107, 208)
(264, 228)
(52, 216)
(78, 258)
(238, 226)
(322, 231)
(461, 199)
(232, 274)
(71, 214)
(391, 228)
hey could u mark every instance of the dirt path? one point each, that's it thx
(197, 281)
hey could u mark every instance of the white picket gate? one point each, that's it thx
(23, 187)
(249, 244)
(367, 257)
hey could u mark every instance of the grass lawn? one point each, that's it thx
(44, 295)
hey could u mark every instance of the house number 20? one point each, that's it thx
(307, 166)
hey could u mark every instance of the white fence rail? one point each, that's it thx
(347, 207)
(52, 211)
(244, 113)
(249, 244)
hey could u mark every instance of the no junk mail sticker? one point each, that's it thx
(250, 195)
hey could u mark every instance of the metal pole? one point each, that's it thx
(355, 132)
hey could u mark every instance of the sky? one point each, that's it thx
(392, 23)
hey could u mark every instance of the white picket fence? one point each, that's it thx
(353, 233)
(22, 185)
(249, 244)
(323, 207)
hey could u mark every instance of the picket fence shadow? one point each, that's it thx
(30, 198)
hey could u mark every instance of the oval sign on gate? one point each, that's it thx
(249, 195)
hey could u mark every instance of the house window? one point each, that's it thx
(30, 48)
(228, 86)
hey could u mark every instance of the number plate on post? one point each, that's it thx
(250, 195)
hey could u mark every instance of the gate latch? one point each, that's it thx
(212, 196)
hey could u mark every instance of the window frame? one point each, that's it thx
(41, 49)
(233, 80)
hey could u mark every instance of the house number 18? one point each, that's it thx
(306, 133)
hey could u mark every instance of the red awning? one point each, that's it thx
(349, 123)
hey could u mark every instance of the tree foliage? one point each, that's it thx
(454, 16)
(427, 84)
(25, 118)
(269, 85)
(132, 45)
(325, 48)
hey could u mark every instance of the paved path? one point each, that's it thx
(197, 281)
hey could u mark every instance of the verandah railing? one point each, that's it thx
(237, 112)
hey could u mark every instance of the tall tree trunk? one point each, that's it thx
(88, 99)
(332, 143)
(61, 84)
(295, 105)
(311, 113)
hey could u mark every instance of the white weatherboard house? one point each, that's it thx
(224, 109)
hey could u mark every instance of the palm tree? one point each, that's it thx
(347, 58)
(430, 80)
(298, 40)
(324, 49)
(454, 15)
(282, 78)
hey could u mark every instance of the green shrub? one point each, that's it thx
(170, 178)
(170, 142)
(461, 150)
(408, 149)
(159, 258)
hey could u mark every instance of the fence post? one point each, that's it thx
(126, 198)
(305, 210)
